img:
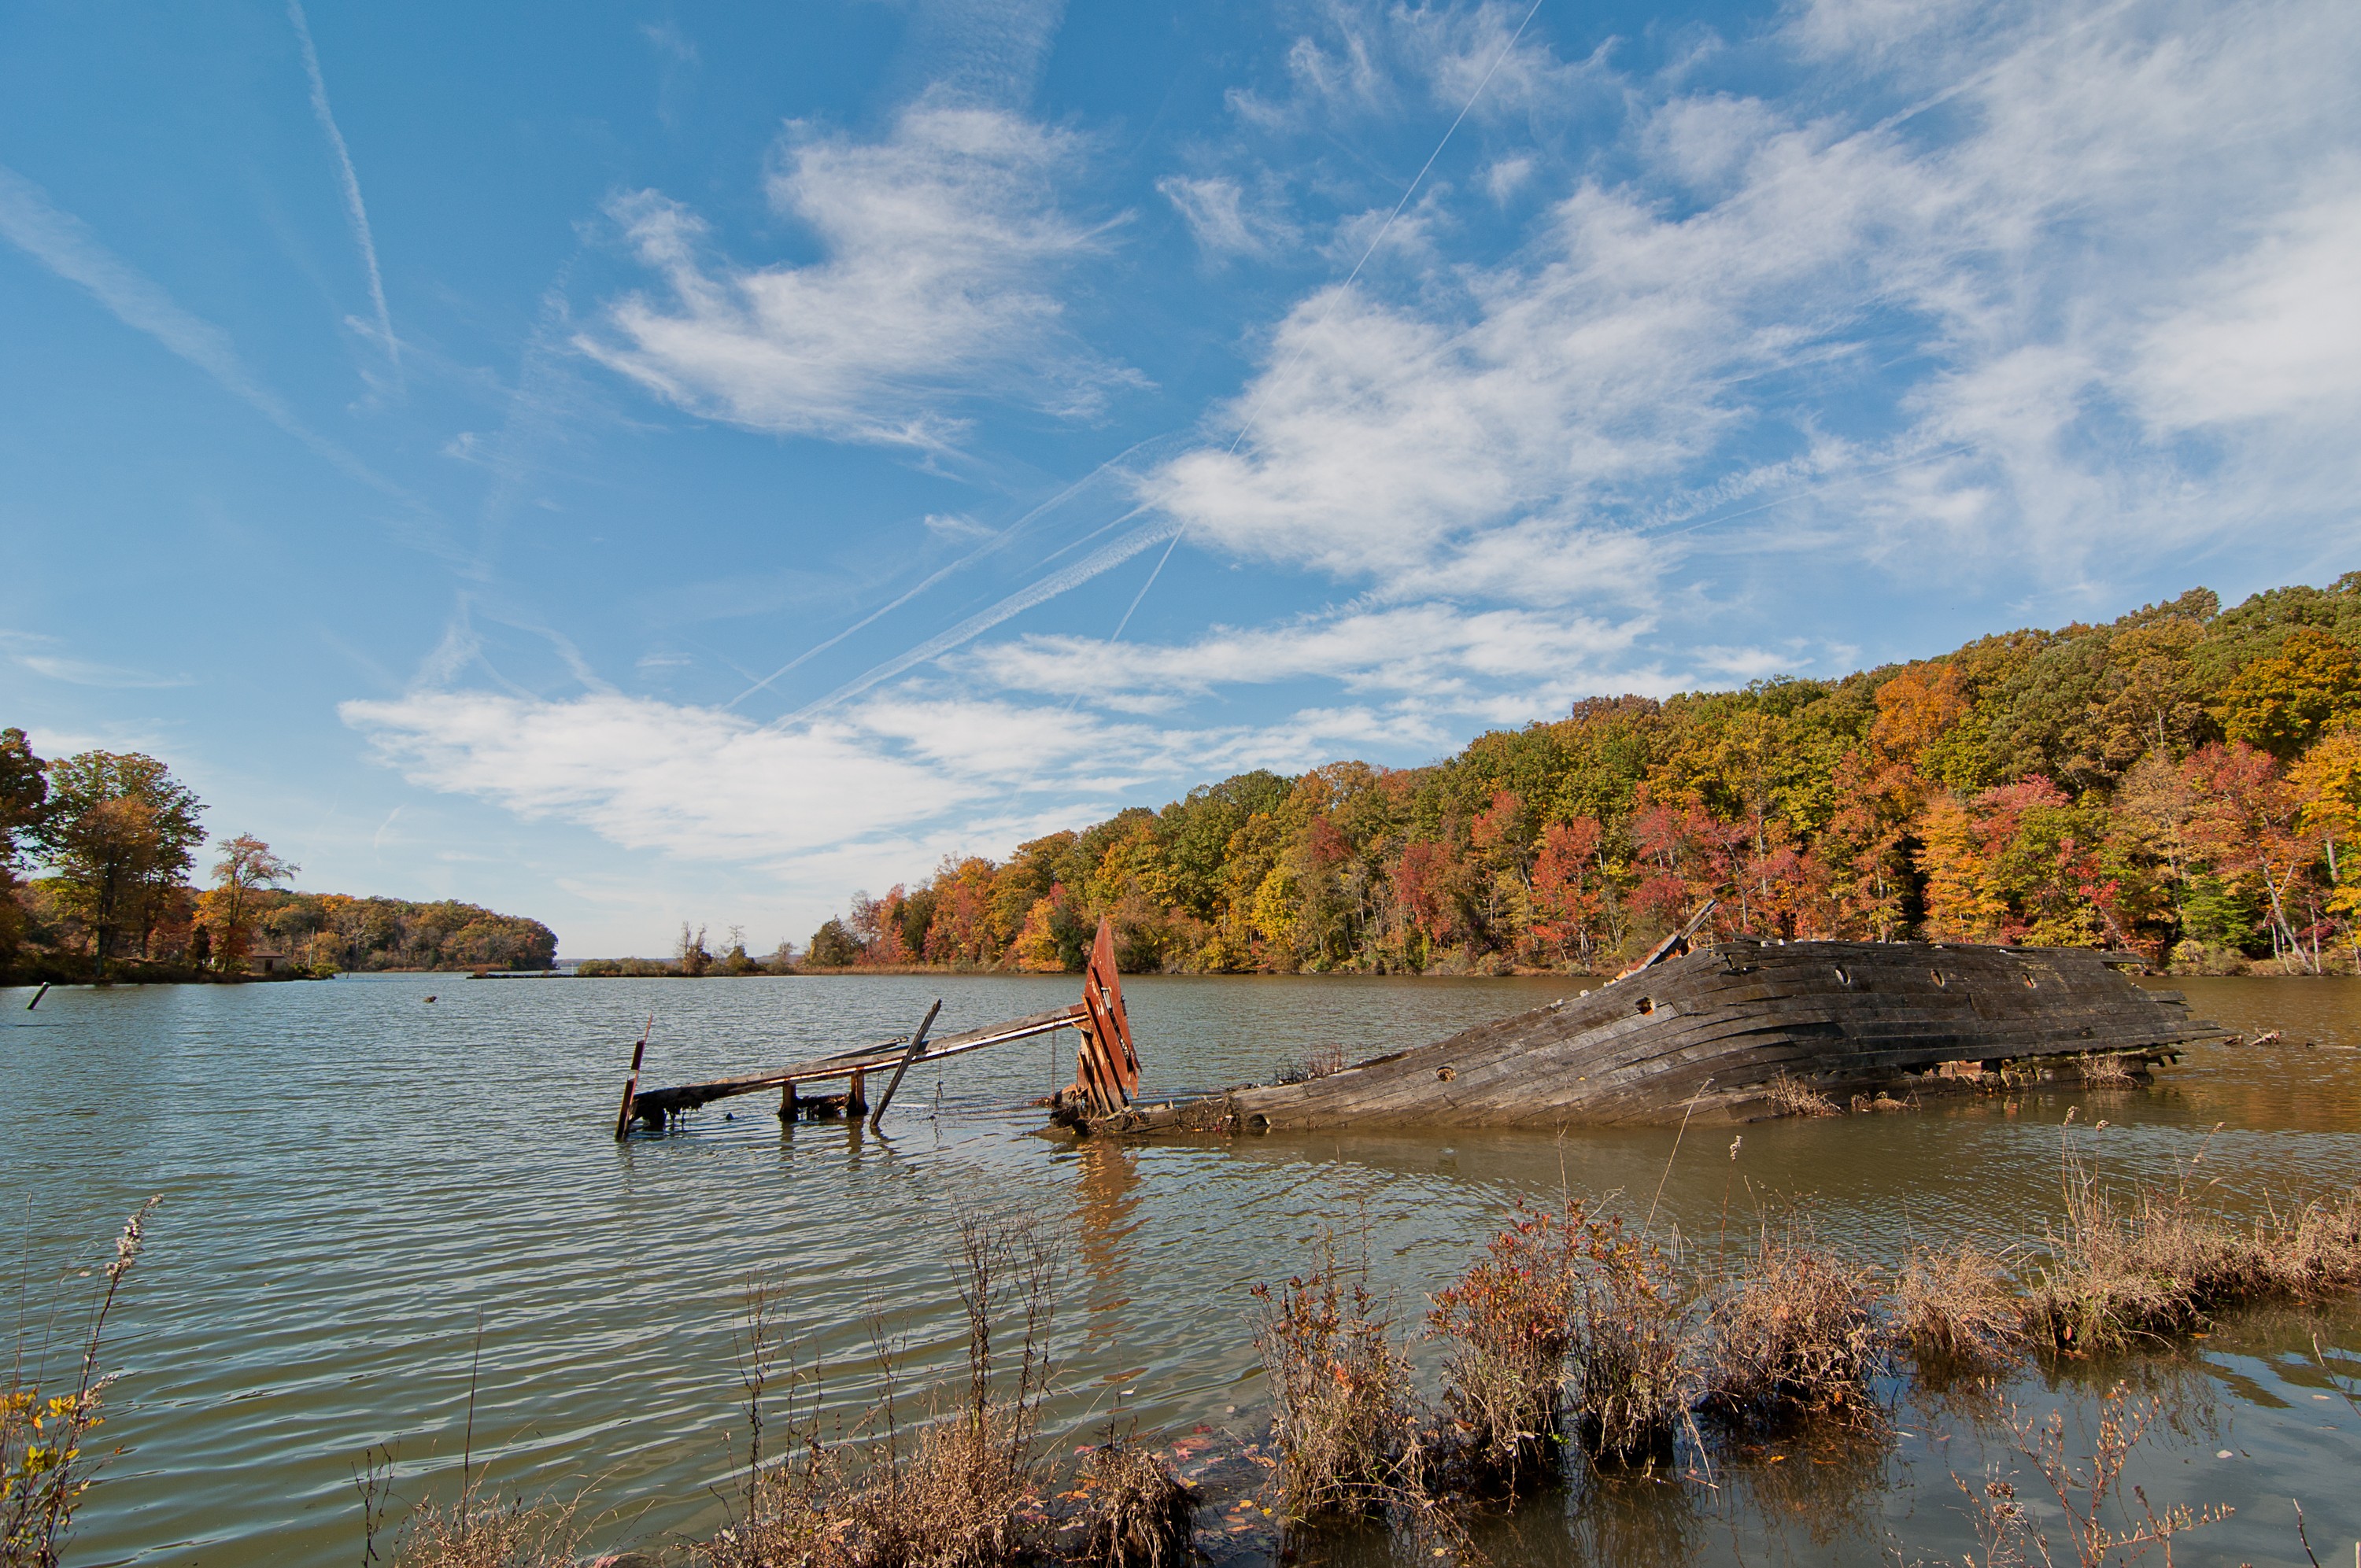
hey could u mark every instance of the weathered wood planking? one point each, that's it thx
(656, 1106)
(1709, 1032)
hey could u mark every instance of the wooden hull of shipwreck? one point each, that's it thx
(1713, 1033)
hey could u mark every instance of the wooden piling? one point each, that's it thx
(856, 1103)
(918, 1049)
(632, 1084)
(789, 1106)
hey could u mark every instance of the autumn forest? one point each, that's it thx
(2184, 781)
(114, 837)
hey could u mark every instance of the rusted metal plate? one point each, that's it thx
(1107, 1065)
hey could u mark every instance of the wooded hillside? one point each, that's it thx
(2185, 780)
(118, 837)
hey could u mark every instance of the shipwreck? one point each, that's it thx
(1732, 1029)
(1737, 1029)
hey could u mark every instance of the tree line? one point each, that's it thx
(2184, 781)
(113, 839)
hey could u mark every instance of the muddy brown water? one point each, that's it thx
(357, 1181)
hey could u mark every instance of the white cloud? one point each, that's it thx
(1213, 210)
(1507, 177)
(828, 804)
(1707, 141)
(1935, 338)
(1382, 60)
(940, 245)
(1431, 651)
(650, 774)
(2274, 334)
(955, 525)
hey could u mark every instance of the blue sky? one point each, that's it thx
(626, 464)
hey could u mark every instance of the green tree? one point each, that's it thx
(24, 790)
(118, 829)
(833, 946)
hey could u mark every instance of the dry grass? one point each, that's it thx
(1346, 1417)
(2318, 1248)
(1135, 1512)
(1317, 1064)
(480, 1532)
(2142, 1261)
(1955, 1307)
(1564, 1304)
(2106, 1072)
(2099, 1524)
(954, 1503)
(1797, 1330)
(1790, 1097)
(964, 1493)
(2128, 1267)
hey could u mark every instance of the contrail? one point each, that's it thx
(65, 245)
(1040, 592)
(1167, 531)
(995, 543)
(355, 212)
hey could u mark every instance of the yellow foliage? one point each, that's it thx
(1036, 949)
(1275, 904)
(2328, 782)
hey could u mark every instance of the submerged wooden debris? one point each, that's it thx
(1106, 1071)
(1734, 1030)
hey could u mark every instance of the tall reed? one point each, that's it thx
(955, 1494)
(2137, 1260)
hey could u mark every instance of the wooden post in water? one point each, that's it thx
(37, 997)
(632, 1084)
(918, 1049)
(855, 1102)
(789, 1106)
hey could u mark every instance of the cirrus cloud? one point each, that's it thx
(941, 244)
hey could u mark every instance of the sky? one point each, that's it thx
(625, 464)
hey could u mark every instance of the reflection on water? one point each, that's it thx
(353, 1180)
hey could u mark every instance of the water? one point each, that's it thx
(367, 1194)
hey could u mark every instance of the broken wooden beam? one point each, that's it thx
(655, 1106)
(918, 1049)
(632, 1084)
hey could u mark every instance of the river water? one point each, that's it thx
(372, 1199)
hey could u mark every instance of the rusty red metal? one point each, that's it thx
(1106, 1067)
